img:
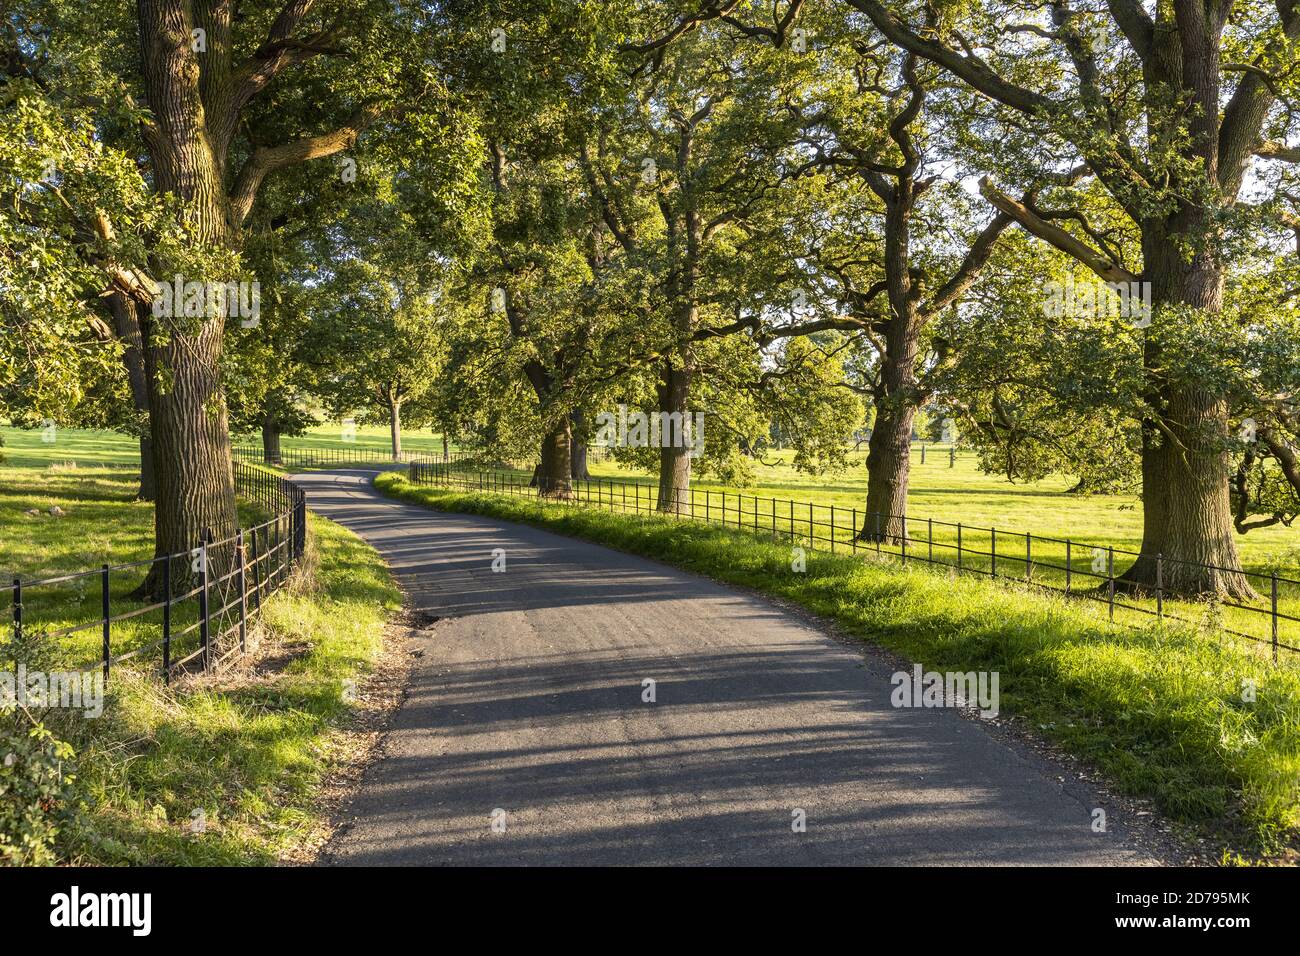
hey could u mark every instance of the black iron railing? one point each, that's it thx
(201, 601)
(321, 457)
(1086, 571)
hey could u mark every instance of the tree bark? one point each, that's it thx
(126, 322)
(553, 473)
(271, 453)
(578, 457)
(395, 428)
(191, 443)
(889, 465)
(674, 460)
(1186, 509)
(148, 483)
(191, 454)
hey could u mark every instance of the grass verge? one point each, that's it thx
(247, 752)
(250, 751)
(1164, 713)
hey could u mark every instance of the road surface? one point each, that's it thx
(524, 737)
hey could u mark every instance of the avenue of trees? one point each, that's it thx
(1069, 228)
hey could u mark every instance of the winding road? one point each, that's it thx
(525, 710)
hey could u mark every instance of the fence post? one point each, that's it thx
(929, 537)
(993, 552)
(853, 532)
(167, 619)
(832, 526)
(18, 618)
(243, 593)
(958, 545)
(812, 534)
(1110, 575)
(300, 538)
(903, 539)
(952, 457)
(1160, 587)
(1069, 567)
(1274, 605)
(103, 580)
(203, 599)
(1029, 557)
(923, 454)
(257, 575)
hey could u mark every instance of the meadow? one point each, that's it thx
(947, 490)
(960, 493)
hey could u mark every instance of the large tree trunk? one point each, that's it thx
(674, 460)
(271, 453)
(191, 453)
(395, 428)
(578, 456)
(1187, 516)
(445, 455)
(552, 475)
(191, 443)
(889, 454)
(889, 465)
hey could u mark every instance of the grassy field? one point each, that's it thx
(26, 448)
(959, 515)
(248, 750)
(965, 494)
(994, 513)
(365, 438)
(958, 494)
(1160, 711)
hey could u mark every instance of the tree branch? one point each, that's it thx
(266, 160)
(1055, 235)
(1279, 151)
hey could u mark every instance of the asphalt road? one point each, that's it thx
(528, 699)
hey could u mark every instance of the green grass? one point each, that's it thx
(965, 494)
(366, 438)
(28, 448)
(994, 516)
(1158, 710)
(250, 753)
(35, 448)
(102, 523)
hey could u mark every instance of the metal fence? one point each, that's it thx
(209, 594)
(322, 457)
(1076, 569)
